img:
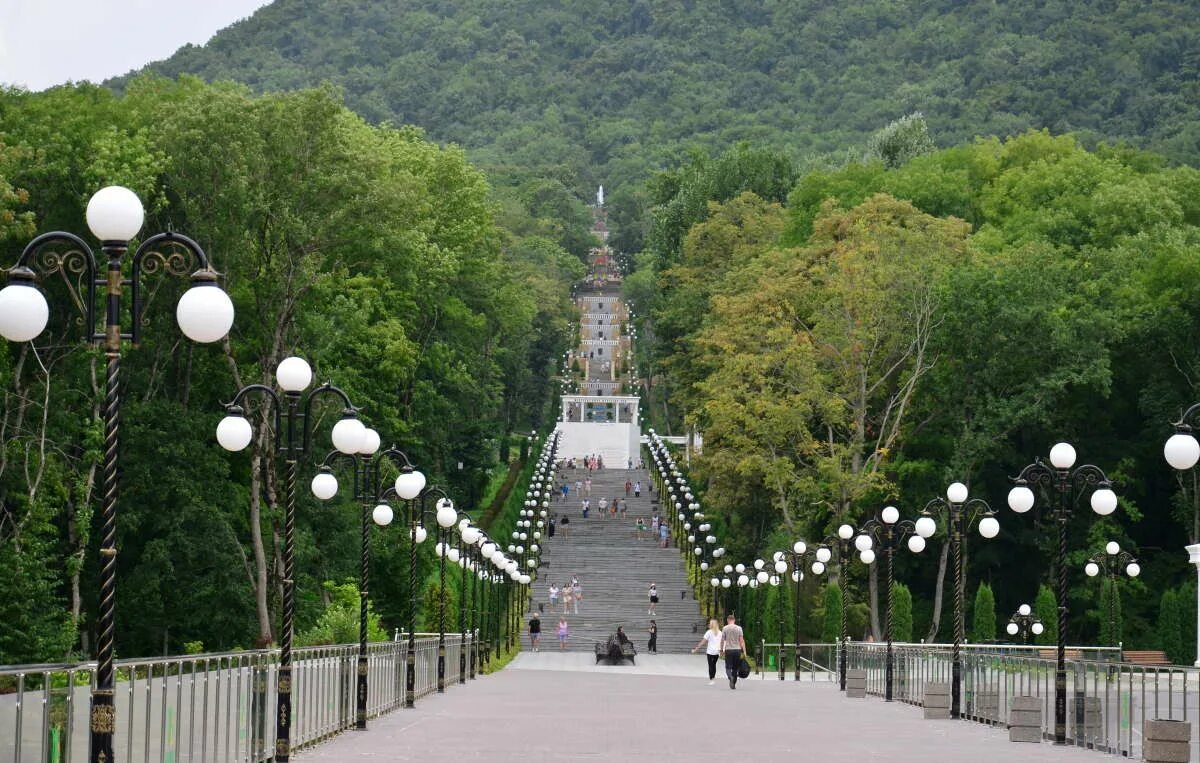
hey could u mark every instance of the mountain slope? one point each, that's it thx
(608, 91)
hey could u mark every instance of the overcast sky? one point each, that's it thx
(48, 42)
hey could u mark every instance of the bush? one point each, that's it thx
(902, 618)
(339, 623)
(832, 630)
(1045, 607)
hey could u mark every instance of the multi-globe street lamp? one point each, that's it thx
(1111, 562)
(1182, 451)
(204, 314)
(445, 517)
(292, 424)
(1023, 621)
(794, 560)
(370, 491)
(960, 513)
(1069, 485)
(842, 540)
(888, 530)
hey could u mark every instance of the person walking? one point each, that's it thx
(602, 504)
(578, 594)
(652, 646)
(641, 528)
(587, 486)
(654, 525)
(563, 633)
(653, 593)
(567, 521)
(578, 487)
(628, 488)
(624, 508)
(711, 641)
(553, 595)
(568, 596)
(535, 631)
(585, 504)
(637, 489)
(662, 534)
(733, 646)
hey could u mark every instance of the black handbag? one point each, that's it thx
(744, 669)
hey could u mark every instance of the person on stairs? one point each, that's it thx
(711, 641)
(652, 646)
(653, 598)
(535, 631)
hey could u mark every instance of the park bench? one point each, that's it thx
(1052, 654)
(699, 626)
(627, 652)
(1150, 658)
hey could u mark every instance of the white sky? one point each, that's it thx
(48, 42)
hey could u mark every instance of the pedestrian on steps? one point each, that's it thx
(553, 595)
(652, 647)
(587, 486)
(567, 520)
(553, 524)
(662, 534)
(653, 597)
(585, 506)
(624, 508)
(563, 633)
(578, 487)
(603, 504)
(637, 489)
(711, 641)
(578, 594)
(628, 487)
(641, 528)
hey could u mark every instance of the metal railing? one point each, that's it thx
(1108, 701)
(809, 662)
(208, 707)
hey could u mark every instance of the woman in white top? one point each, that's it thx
(711, 637)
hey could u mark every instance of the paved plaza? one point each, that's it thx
(664, 710)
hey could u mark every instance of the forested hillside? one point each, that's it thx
(605, 92)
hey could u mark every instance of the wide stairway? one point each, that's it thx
(615, 570)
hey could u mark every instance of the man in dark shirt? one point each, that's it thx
(535, 630)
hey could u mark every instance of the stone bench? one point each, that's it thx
(1025, 719)
(1167, 742)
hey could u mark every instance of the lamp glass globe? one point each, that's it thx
(1062, 455)
(824, 555)
(1133, 569)
(799, 547)
(957, 492)
(1112, 548)
(781, 566)
(293, 374)
(382, 514)
(726, 582)
(1020, 499)
(347, 435)
(1104, 501)
(989, 527)
(419, 534)
(1012, 629)
(890, 515)
(370, 442)
(916, 544)
(926, 526)
(24, 312)
(234, 433)
(204, 313)
(867, 556)
(1037, 629)
(324, 486)
(115, 213)
(1024, 610)
(818, 568)
(1092, 569)
(863, 543)
(845, 532)
(1181, 450)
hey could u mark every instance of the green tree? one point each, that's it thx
(900, 141)
(340, 621)
(831, 630)
(983, 629)
(1045, 608)
(902, 614)
(1169, 628)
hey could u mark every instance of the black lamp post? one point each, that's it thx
(1111, 562)
(1069, 486)
(416, 536)
(794, 559)
(204, 314)
(960, 512)
(1023, 621)
(293, 437)
(368, 488)
(888, 531)
(445, 516)
(842, 541)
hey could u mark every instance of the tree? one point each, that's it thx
(900, 141)
(1170, 638)
(831, 631)
(902, 614)
(1045, 608)
(983, 630)
(339, 623)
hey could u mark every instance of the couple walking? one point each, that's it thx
(728, 642)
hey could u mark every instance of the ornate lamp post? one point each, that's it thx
(416, 536)
(445, 517)
(204, 314)
(888, 531)
(1024, 622)
(368, 488)
(1111, 562)
(842, 540)
(1069, 486)
(795, 559)
(960, 513)
(293, 419)
(1182, 452)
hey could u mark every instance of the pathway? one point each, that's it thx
(535, 714)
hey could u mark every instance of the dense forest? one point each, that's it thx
(847, 338)
(385, 260)
(609, 92)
